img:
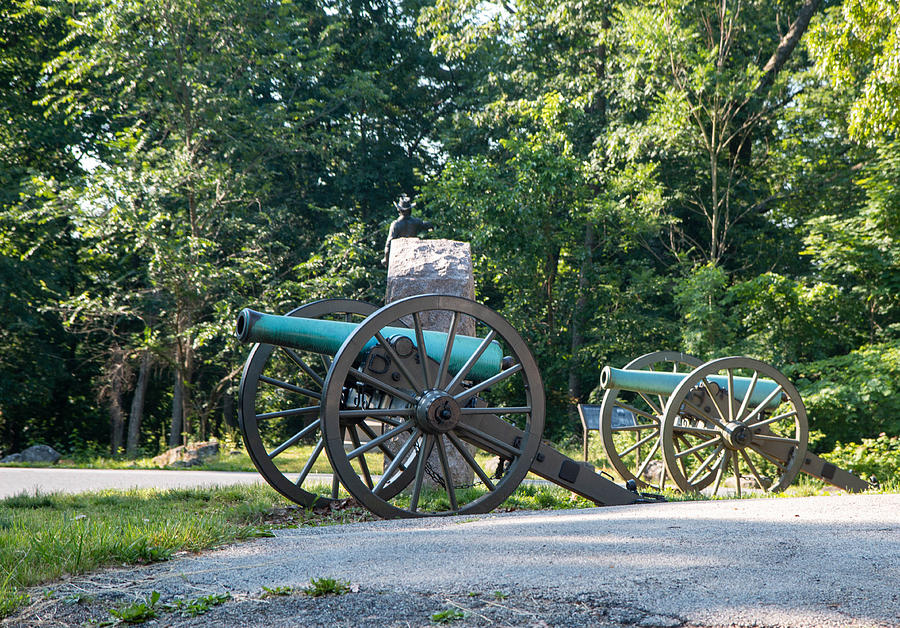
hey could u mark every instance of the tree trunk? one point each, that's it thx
(177, 411)
(578, 314)
(117, 377)
(137, 406)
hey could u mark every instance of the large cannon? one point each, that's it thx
(352, 380)
(735, 421)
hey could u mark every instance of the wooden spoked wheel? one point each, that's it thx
(631, 422)
(279, 407)
(740, 420)
(452, 403)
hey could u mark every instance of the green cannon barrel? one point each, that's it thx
(326, 337)
(662, 383)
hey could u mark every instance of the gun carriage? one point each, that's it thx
(379, 394)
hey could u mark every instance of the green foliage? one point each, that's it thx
(137, 612)
(877, 457)
(196, 606)
(857, 47)
(326, 586)
(43, 537)
(853, 396)
(277, 591)
(447, 616)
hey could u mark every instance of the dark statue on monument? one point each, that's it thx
(404, 227)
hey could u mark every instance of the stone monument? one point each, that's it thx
(434, 267)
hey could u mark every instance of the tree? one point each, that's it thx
(857, 47)
(43, 380)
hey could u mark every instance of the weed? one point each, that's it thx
(11, 601)
(78, 598)
(277, 591)
(447, 616)
(500, 595)
(137, 612)
(326, 586)
(197, 606)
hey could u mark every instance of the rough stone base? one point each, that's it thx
(35, 453)
(434, 267)
(187, 456)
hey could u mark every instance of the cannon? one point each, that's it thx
(733, 420)
(378, 393)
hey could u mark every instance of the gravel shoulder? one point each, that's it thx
(815, 561)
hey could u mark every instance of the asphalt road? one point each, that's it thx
(801, 562)
(16, 480)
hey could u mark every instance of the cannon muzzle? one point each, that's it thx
(326, 337)
(662, 383)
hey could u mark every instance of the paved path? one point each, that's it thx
(16, 480)
(800, 562)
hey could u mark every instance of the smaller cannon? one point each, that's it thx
(732, 421)
(378, 393)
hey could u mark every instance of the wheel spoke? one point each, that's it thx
(400, 364)
(380, 385)
(377, 412)
(309, 410)
(705, 463)
(296, 359)
(773, 419)
(703, 414)
(464, 452)
(636, 428)
(420, 346)
(498, 444)
(465, 395)
(637, 444)
(730, 395)
(445, 359)
(363, 465)
(692, 429)
(753, 470)
(500, 410)
(638, 412)
(712, 398)
(448, 477)
(461, 374)
(720, 471)
(296, 437)
(376, 441)
(397, 460)
(424, 452)
(297, 389)
(778, 463)
(776, 439)
(649, 457)
(312, 460)
(762, 406)
(335, 485)
(650, 403)
(746, 400)
(737, 475)
(696, 448)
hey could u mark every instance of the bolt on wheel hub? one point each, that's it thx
(437, 412)
(737, 435)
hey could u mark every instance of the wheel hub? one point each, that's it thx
(437, 412)
(737, 435)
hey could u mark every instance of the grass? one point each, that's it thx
(47, 537)
(326, 586)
